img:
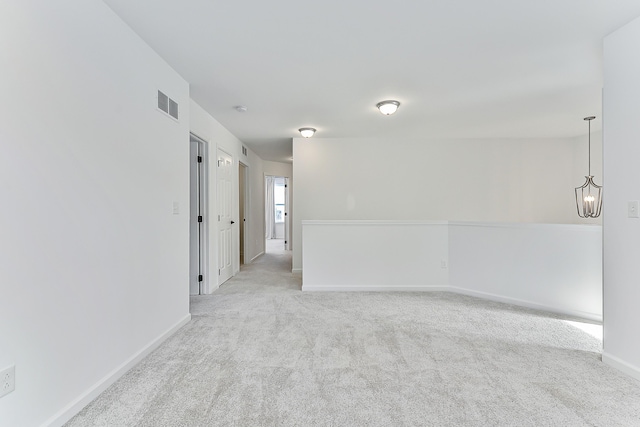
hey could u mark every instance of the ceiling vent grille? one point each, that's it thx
(167, 105)
(244, 150)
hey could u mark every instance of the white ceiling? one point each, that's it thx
(460, 68)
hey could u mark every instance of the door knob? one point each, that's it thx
(233, 222)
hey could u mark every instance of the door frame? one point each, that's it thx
(287, 217)
(199, 206)
(287, 202)
(243, 223)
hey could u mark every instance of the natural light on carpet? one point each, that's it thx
(593, 329)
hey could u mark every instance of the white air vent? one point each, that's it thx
(163, 102)
(244, 150)
(173, 108)
(167, 105)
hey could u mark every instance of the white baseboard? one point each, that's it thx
(528, 304)
(621, 365)
(83, 400)
(256, 257)
(595, 317)
(331, 288)
(296, 270)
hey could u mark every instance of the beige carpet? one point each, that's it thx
(258, 352)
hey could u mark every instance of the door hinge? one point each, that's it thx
(199, 218)
(285, 242)
(218, 272)
(285, 186)
(218, 217)
(285, 214)
(199, 159)
(199, 277)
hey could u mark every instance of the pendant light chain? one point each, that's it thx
(589, 147)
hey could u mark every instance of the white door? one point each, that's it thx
(224, 177)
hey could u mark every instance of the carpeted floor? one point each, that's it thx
(258, 352)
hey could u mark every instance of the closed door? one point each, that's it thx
(225, 221)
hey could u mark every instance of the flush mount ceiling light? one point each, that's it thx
(589, 194)
(240, 108)
(388, 107)
(307, 132)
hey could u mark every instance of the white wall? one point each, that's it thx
(460, 180)
(554, 267)
(621, 234)
(256, 180)
(277, 169)
(374, 255)
(93, 263)
(216, 136)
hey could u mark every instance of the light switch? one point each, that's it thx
(633, 209)
(176, 208)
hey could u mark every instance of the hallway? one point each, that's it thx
(273, 245)
(269, 273)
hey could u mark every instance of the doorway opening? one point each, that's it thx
(243, 198)
(276, 213)
(198, 219)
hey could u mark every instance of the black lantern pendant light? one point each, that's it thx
(589, 194)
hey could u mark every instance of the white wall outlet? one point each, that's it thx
(633, 209)
(7, 380)
(176, 208)
(443, 263)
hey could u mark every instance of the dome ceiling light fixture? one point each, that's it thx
(388, 107)
(589, 194)
(307, 132)
(241, 108)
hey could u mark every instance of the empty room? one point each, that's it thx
(342, 213)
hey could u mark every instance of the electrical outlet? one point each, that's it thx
(7, 380)
(443, 264)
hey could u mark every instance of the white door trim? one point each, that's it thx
(198, 206)
(247, 210)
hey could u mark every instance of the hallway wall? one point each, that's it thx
(209, 129)
(93, 260)
(621, 233)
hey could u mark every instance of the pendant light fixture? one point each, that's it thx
(589, 194)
